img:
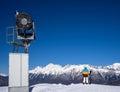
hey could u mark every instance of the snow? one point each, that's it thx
(4, 75)
(74, 88)
(70, 88)
(3, 89)
(55, 69)
(115, 66)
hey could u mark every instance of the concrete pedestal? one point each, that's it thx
(18, 72)
(18, 89)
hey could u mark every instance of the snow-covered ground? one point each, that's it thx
(3, 89)
(74, 88)
(70, 88)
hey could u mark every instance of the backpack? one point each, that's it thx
(85, 71)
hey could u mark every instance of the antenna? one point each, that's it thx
(23, 31)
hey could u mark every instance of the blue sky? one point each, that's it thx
(68, 31)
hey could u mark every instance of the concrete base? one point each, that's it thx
(18, 89)
(18, 72)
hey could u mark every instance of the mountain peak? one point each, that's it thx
(116, 64)
(115, 67)
(51, 65)
(3, 75)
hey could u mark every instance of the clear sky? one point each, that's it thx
(68, 31)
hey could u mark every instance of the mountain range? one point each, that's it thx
(3, 80)
(68, 74)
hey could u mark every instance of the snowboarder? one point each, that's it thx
(86, 73)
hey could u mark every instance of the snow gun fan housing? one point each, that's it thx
(24, 21)
(24, 26)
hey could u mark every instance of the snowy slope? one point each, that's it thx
(74, 88)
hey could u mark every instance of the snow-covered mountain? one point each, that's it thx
(4, 75)
(3, 80)
(55, 69)
(53, 73)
